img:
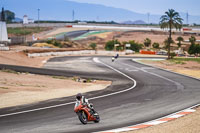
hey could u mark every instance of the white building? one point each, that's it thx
(26, 20)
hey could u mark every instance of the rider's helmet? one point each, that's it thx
(78, 96)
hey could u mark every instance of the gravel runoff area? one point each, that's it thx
(186, 124)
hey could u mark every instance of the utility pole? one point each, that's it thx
(97, 18)
(187, 18)
(73, 14)
(148, 15)
(38, 17)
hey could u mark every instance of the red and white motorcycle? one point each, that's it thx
(85, 114)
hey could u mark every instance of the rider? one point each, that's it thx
(80, 97)
(116, 56)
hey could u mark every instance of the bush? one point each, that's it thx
(55, 43)
(93, 46)
(147, 42)
(134, 45)
(194, 49)
(49, 41)
(156, 45)
(172, 55)
(198, 48)
(120, 48)
(111, 44)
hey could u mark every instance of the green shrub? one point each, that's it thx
(111, 44)
(194, 49)
(93, 46)
(147, 42)
(55, 43)
(156, 45)
(172, 55)
(134, 45)
(49, 41)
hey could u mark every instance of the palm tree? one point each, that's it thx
(167, 42)
(171, 20)
(179, 39)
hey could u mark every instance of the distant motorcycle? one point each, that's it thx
(115, 57)
(85, 114)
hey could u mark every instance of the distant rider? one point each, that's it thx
(80, 97)
(115, 57)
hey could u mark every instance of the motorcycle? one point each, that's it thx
(85, 114)
(114, 57)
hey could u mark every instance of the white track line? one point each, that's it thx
(179, 85)
(155, 121)
(59, 105)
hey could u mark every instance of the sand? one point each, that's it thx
(16, 56)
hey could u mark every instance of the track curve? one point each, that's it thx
(157, 93)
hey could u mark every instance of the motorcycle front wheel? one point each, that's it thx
(97, 119)
(82, 117)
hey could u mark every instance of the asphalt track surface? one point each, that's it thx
(157, 94)
(72, 34)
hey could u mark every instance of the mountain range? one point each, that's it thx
(63, 10)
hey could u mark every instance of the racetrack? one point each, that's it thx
(72, 34)
(157, 93)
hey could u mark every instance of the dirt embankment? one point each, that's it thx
(16, 56)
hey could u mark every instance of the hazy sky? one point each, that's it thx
(62, 9)
(151, 6)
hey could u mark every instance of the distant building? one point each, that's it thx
(82, 22)
(26, 20)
